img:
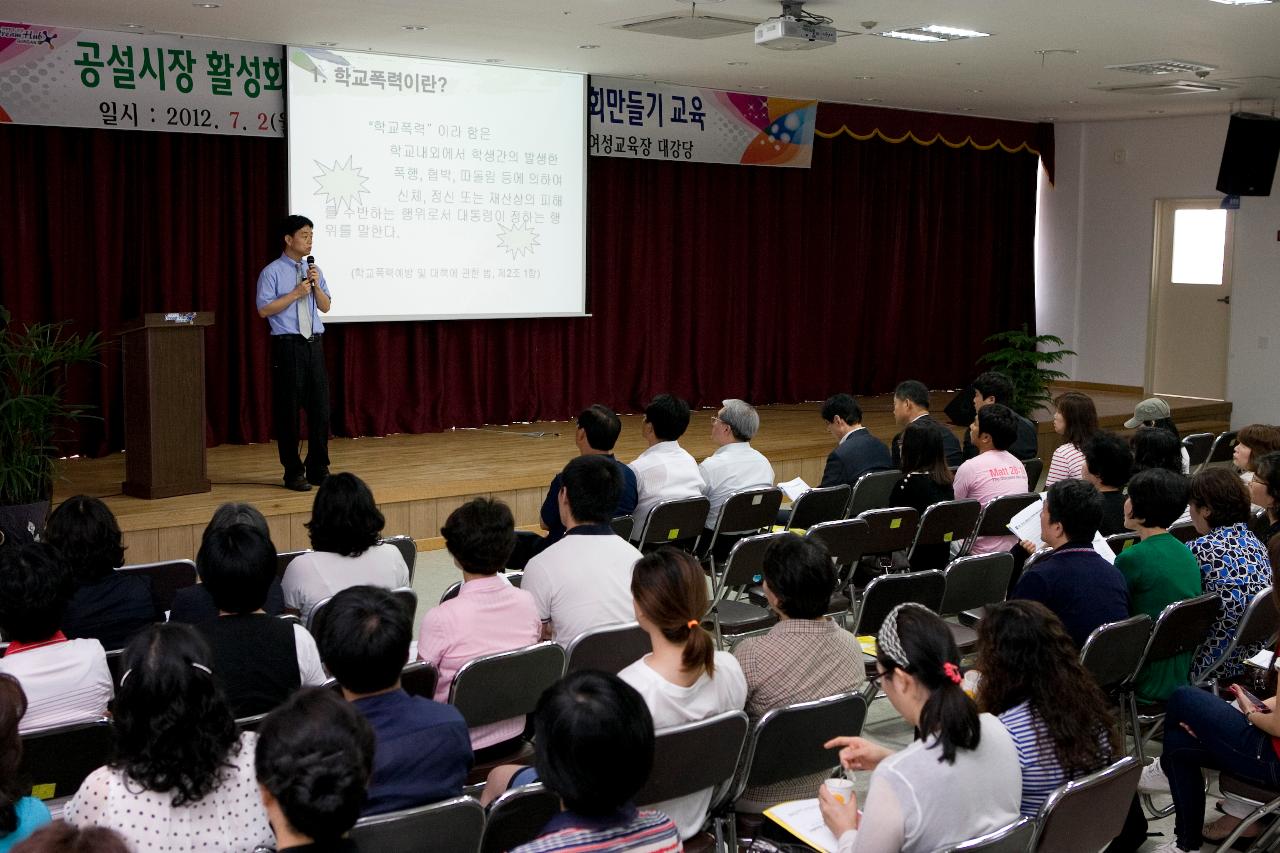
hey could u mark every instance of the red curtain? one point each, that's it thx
(881, 262)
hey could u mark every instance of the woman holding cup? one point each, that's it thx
(958, 780)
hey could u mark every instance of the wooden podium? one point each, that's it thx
(164, 417)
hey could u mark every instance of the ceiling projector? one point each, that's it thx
(787, 33)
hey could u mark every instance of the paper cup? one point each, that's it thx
(841, 789)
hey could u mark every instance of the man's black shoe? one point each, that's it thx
(298, 484)
(318, 479)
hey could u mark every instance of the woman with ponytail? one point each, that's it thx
(958, 780)
(684, 679)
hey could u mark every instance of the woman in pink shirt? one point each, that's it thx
(488, 615)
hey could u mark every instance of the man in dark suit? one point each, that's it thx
(857, 451)
(994, 387)
(910, 404)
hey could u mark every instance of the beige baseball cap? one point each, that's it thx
(1150, 409)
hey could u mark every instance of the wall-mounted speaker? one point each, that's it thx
(1249, 157)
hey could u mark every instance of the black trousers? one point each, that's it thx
(299, 381)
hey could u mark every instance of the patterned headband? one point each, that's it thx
(888, 641)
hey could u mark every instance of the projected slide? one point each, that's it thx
(440, 190)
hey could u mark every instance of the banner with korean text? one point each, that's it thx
(136, 81)
(659, 121)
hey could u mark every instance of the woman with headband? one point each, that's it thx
(958, 780)
(684, 679)
(182, 777)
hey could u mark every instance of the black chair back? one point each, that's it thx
(408, 550)
(749, 511)
(1257, 626)
(610, 649)
(419, 678)
(167, 578)
(888, 591)
(623, 525)
(408, 600)
(1120, 541)
(873, 490)
(1183, 531)
(1198, 446)
(846, 541)
(678, 523)
(115, 664)
(1035, 467)
(942, 524)
(890, 529)
(695, 756)
(818, 505)
(1223, 448)
(1112, 652)
(788, 742)
(1088, 814)
(746, 562)
(507, 684)
(976, 581)
(456, 825)
(284, 558)
(451, 592)
(56, 760)
(517, 817)
(1013, 838)
(997, 514)
(1181, 628)
(1260, 524)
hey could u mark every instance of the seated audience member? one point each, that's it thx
(926, 478)
(1252, 443)
(857, 451)
(1154, 413)
(584, 580)
(181, 774)
(1107, 464)
(1264, 491)
(593, 740)
(1075, 418)
(911, 404)
(959, 779)
(684, 679)
(107, 606)
(597, 433)
(65, 681)
(995, 387)
(1233, 562)
(345, 527)
(60, 837)
(735, 466)
(1074, 581)
(257, 660)
(1158, 569)
(488, 615)
(1033, 681)
(665, 471)
(194, 604)
(313, 760)
(1154, 447)
(994, 472)
(805, 656)
(423, 749)
(20, 813)
(1202, 731)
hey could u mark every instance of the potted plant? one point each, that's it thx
(1023, 360)
(33, 413)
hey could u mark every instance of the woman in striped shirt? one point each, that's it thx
(1076, 420)
(1054, 710)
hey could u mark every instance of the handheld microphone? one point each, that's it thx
(311, 261)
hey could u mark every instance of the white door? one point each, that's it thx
(1190, 299)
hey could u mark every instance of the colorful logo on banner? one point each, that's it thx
(658, 121)
(134, 81)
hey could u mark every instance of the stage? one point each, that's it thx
(419, 479)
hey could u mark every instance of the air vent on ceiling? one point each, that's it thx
(689, 26)
(1162, 66)
(1173, 87)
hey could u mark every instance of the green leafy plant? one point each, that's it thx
(33, 408)
(1022, 359)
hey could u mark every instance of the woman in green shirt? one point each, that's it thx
(1158, 569)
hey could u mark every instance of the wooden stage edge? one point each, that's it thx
(419, 479)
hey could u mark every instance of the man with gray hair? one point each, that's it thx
(735, 465)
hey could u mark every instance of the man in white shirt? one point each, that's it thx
(66, 681)
(735, 466)
(665, 471)
(584, 580)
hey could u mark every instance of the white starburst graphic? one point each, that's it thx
(342, 183)
(517, 241)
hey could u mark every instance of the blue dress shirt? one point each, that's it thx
(278, 278)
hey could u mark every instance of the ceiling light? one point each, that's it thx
(1244, 2)
(327, 43)
(974, 91)
(874, 100)
(908, 35)
(1163, 66)
(864, 77)
(954, 32)
(493, 61)
(588, 46)
(1048, 118)
(413, 28)
(736, 62)
(132, 26)
(206, 5)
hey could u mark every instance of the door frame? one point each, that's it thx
(1159, 208)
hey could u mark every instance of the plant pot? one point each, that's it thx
(19, 523)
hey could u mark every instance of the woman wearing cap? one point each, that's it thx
(958, 780)
(1154, 412)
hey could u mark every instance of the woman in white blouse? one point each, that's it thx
(182, 779)
(958, 780)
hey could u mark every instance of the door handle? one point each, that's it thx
(1226, 300)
